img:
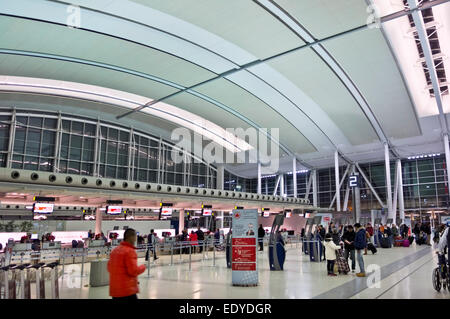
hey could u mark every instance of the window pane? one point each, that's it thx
(35, 121)
(77, 127)
(113, 134)
(74, 168)
(22, 120)
(31, 163)
(89, 129)
(50, 123)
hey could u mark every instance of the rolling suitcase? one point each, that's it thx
(372, 248)
(385, 242)
(343, 267)
(406, 243)
(398, 241)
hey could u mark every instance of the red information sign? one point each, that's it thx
(244, 254)
(244, 241)
(244, 266)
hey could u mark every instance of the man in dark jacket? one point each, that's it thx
(261, 234)
(200, 238)
(360, 244)
(321, 231)
(349, 239)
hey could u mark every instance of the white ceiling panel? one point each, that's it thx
(324, 18)
(252, 108)
(241, 22)
(74, 72)
(367, 59)
(20, 34)
(314, 77)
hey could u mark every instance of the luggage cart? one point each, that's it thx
(9, 282)
(54, 279)
(40, 279)
(24, 282)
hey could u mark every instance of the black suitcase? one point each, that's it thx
(372, 248)
(385, 242)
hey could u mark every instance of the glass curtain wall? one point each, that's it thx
(66, 144)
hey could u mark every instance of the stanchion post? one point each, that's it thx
(171, 254)
(148, 265)
(214, 255)
(190, 254)
(82, 261)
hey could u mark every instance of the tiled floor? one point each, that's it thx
(404, 273)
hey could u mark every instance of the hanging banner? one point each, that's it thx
(244, 230)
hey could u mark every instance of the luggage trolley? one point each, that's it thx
(40, 279)
(9, 282)
(54, 279)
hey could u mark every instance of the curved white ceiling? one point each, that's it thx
(157, 48)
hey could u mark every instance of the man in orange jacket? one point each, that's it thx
(123, 269)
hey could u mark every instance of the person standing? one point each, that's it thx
(193, 241)
(261, 234)
(123, 268)
(330, 254)
(369, 229)
(349, 239)
(151, 243)
(200, 237)
(360, 244)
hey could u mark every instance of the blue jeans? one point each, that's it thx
(351, 253)
(359, 257)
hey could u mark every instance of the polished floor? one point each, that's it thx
(396, 273)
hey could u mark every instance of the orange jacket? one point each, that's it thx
(123, 271)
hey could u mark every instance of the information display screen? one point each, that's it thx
(113, 210)
(288, 214)
(166, 212)
(266, 214)
(207, 212)
(42, 208)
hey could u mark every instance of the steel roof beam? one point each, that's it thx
(426, 48)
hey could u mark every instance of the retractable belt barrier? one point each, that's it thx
(24, 267)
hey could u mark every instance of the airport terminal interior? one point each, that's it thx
(229, 145)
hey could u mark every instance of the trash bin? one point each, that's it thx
(99, 273)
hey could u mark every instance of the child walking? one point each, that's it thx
(330, 254)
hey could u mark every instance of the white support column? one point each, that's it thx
(447, 158)
(282, 185)
(12, 134)
(388, 180)
(220, 176)
(276, 185)
(294, 175)
(181, 221)
(370, 185)
(259, 178)
(340, 185)
(98, 221)
(336, 175)
(308, 186)
(401, 202)
(394, 201)
(347, 191)
(314, 184)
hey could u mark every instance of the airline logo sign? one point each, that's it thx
(244, 253)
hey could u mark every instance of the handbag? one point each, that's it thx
(336, 268)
